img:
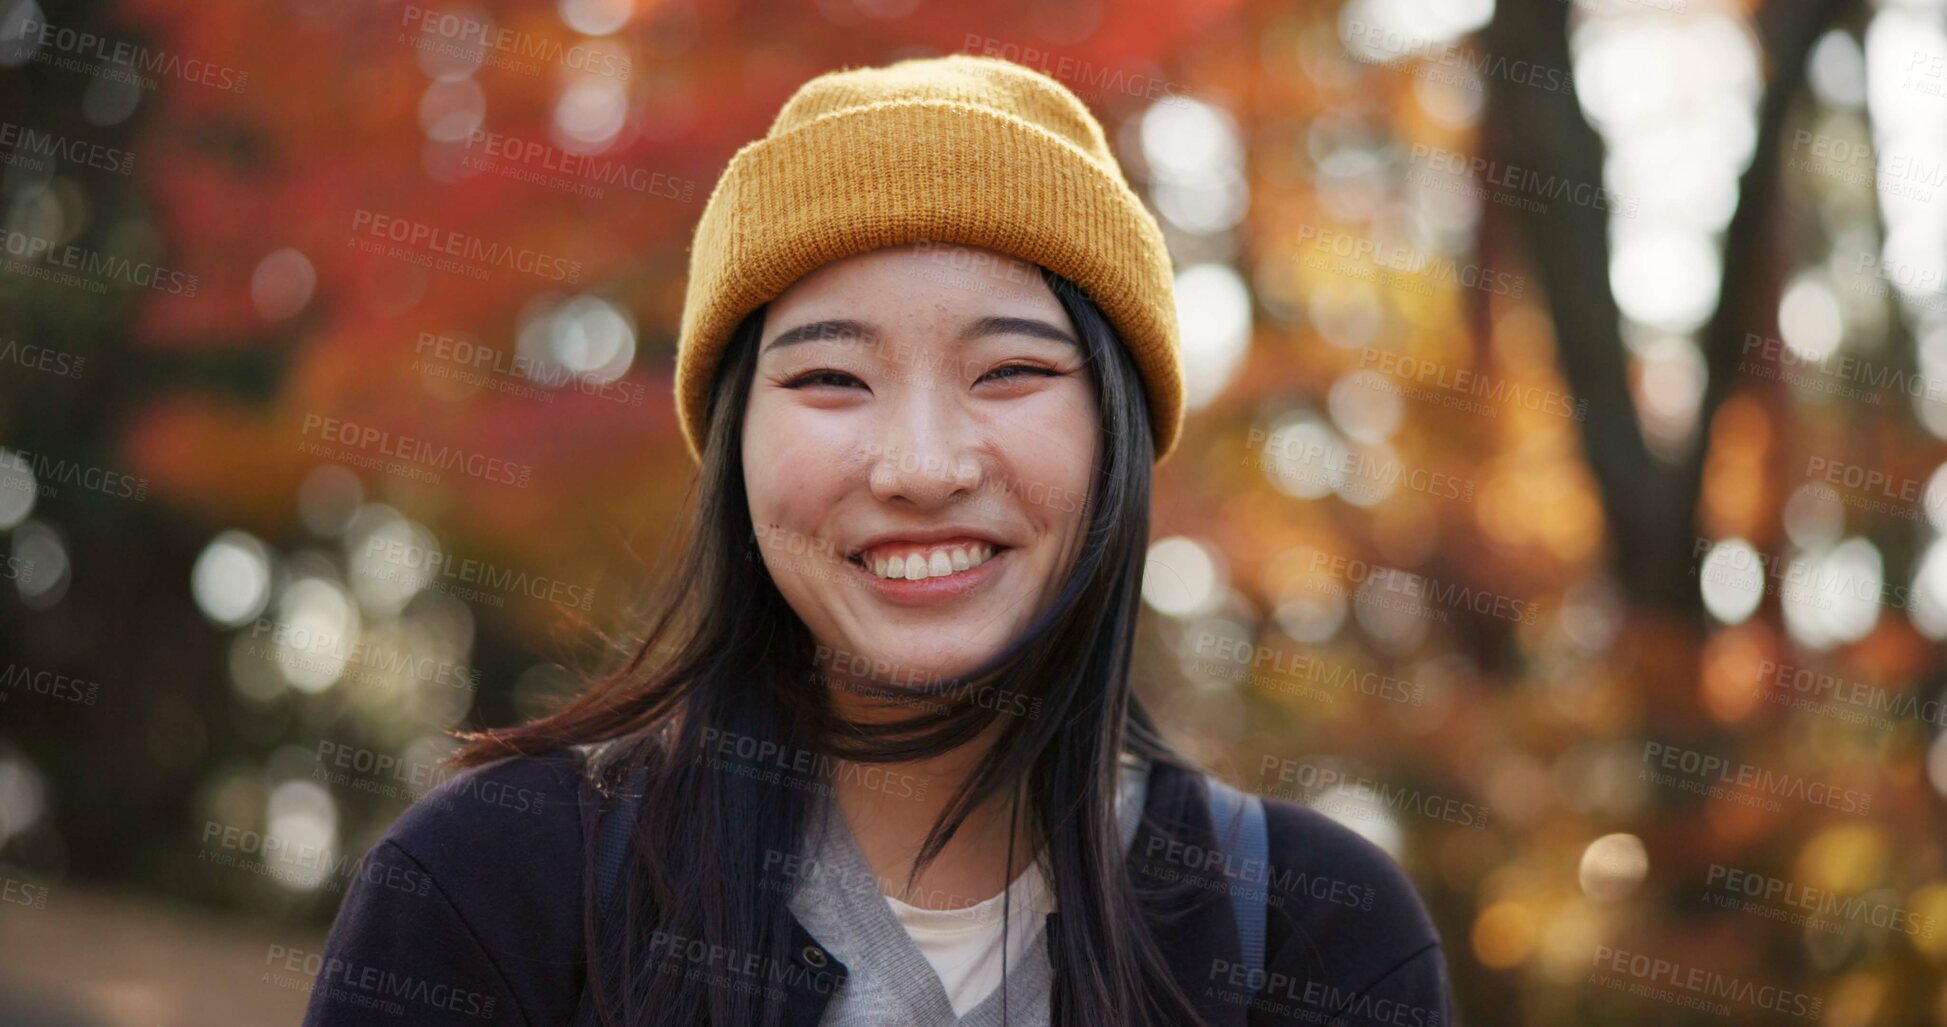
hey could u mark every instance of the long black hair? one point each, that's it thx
(724, 658)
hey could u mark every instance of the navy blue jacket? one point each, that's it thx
(469, 911)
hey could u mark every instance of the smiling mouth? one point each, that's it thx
(907, 562)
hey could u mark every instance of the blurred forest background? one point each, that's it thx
(1570, 387)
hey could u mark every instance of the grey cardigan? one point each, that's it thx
(889, 980)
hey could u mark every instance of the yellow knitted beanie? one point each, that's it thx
(958, 149)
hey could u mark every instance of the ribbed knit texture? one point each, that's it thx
(957, 149)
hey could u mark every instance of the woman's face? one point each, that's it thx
(917, 450)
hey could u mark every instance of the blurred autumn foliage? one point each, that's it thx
(1469, 511)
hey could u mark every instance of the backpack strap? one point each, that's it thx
(614, 840)
(1239, 820)
(618, 821)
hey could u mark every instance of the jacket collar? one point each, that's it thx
(1195, 932)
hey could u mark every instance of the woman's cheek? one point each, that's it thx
(812, 432)
(780, 437)
(1052, 443)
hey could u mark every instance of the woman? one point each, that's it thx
(877, 759)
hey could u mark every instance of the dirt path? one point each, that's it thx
(106, 960)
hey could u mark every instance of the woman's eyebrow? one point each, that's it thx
(848, 328)
(1017, 326)
(840, 328)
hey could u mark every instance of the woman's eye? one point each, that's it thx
(1018, 371)
(837, 379)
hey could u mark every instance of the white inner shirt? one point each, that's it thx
(964, 945)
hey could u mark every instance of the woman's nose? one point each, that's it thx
(924, 456)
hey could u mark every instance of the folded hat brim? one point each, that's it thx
(903, 171)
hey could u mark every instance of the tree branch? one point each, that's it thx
(1651, 507)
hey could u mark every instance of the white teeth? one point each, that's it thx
(933, 563)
